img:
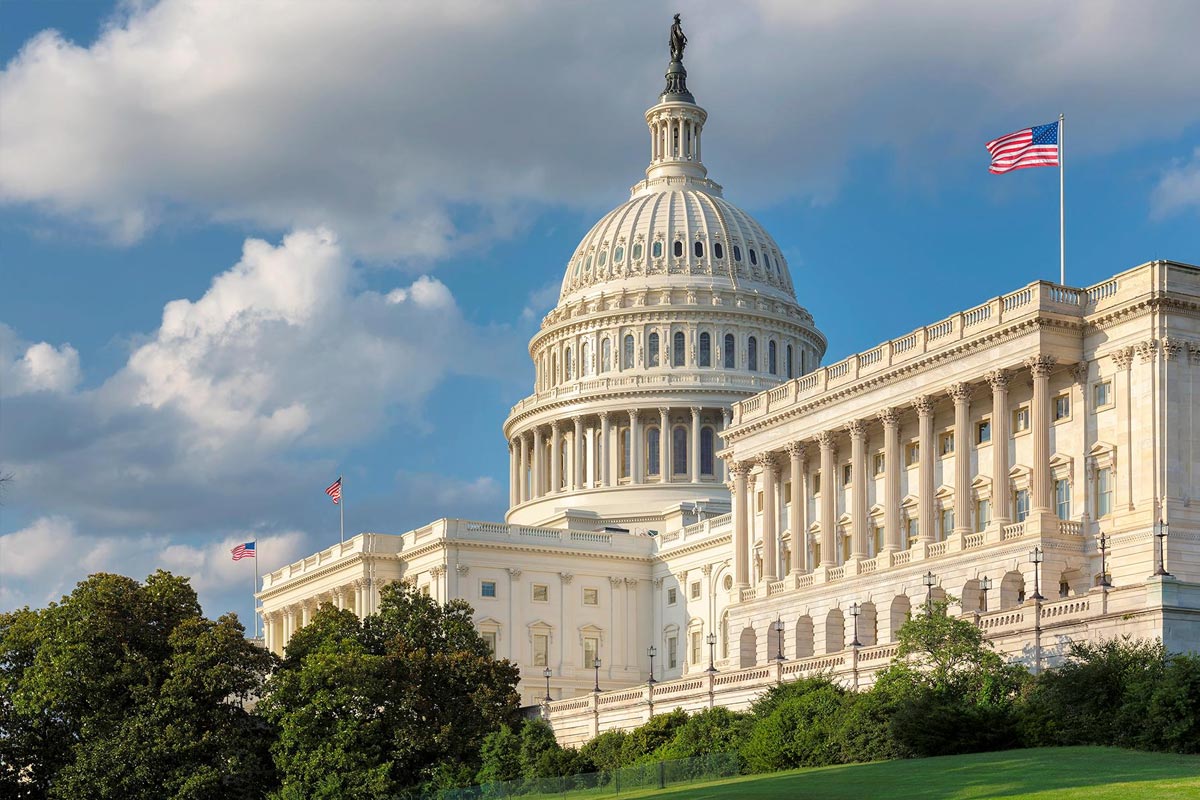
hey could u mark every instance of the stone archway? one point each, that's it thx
(804, 637)
(748, 648)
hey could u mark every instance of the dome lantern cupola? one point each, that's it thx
(676, 121)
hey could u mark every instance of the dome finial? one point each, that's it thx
(676, 75)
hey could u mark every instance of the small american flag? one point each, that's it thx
(335, 491)
(243, 551)
(1031, 147)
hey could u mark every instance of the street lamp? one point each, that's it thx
(985, 585)
(547, 672)
(1035, 558)
(1104, 579)
(778, 626)
(712, 651)
(1159, 535)
(855, 610)
(651, 651)
(596, 664)
(930, 580)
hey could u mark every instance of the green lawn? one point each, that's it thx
(1065, 773)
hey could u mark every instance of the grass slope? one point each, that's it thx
(1062, 773)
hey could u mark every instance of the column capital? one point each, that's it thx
(769, 461)
(566, 578)
(998, 379)
(1080, 372)
(1171, 347)
(923, 403)
(889, 417)
(634, 413)
(696, 411)
(827, 440)
(603, 415)
(727, 416)
(577, 419)
(514, 573)
(555, 425)
(739, 469)
(1041, 365)
(462, 569)
(959, 392)
(1147, 349)
(1122, 357)
(857, 429)
(796, 450)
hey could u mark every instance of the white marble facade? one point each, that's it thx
(684, 468)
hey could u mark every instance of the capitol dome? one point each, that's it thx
(675, 305)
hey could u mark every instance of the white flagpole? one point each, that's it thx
(254, 590)
(342, 508)
(1062, 240)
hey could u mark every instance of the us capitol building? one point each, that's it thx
(691, 488)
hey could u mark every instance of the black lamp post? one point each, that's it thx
(596, 665)
(778, 626)
(651, 651)
(985, 585)
(855, 610)
(711, 639)
(930, 580)
(1159, 535)
(547, 672)
(1105, 582)
(1035, 558)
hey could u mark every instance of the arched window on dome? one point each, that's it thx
(737, 253)
(637, 252)
(653, 445)
(585, 361)
(790, 373)
(587, 266)
(753, 257)
(698, 249)
(606, 355)
(772, 360)
(718, 250)
(705, 349)
(652, 350)
(568, 364)
(678, 248)
(707, 450)
(730, 352)
(656, 250)
(752, 359)
(679, 454)
(619, 254)
(627, 352)
(603, 258)
(679, 350)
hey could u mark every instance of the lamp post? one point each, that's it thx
(930, 580)
(711, 639)
(596, 665)
(985, 586)
(1161, 569)
(651, 651)
(1104, 579)
(1036, 558)
(778, 626)
(855, 610)
(547, 672)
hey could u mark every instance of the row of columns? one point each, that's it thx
(279, 625)
(1039, 368)
(528, 479)
(662, 139)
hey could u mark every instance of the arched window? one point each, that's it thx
(653, 443)
(637, 252)
(698, 249)
(803, 362)
(718, 250)
(753, 257)
(656, 250)
(678, 350)
(772, 360)
(568, 365)
(603, 258)
(679, 455)
(627, 352)
(707, 450)
(606, 355)
(730, 352)
(585, 360)
(624, 452)
(789, 362)
(737, 253)
(587, 266)
(652, 350)
(705, 349)
(752, 359)
(619, 254)
(678, 248)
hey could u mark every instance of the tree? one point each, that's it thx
(378, 707)
(125, 690)
(500, 756)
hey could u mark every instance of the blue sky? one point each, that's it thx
(248, 248)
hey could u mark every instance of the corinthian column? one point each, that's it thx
(858, 500)
(828, 498)
(664, 440)
(770, 533)
(799, 514)
(537, 479)
(741, 528)
(1001, 485)
(961, 394)
(924, 406)
(555, 457)
(891, 478)
(694, 456)
(603, 477)
(635, 448)
(577, 451)
(1040, 367)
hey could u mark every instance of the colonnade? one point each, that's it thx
(675, 138)
(768, 468)
(359, 596)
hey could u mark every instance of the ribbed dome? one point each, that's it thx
(677, 232)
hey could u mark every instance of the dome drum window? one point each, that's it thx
(603, 257)
(737, 253)
(730, 352)
(678, 249)
(637, 252)
(705, 349)
(678, 350)
(718, 251)
(752, 355)
(656, 250)
(753, 257)
(652, 350)
(698, 249)
(619, 254)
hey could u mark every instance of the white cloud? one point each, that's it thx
(1179, 188)
(42, 366)
(418, 129)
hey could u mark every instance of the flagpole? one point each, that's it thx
(1062, 239)
(254, 591)
(342, 508)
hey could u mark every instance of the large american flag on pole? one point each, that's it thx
(335, 491)
(1031, 147)
(243, 551)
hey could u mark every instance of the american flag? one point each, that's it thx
(243, 551)
(1031, 147)
(335, 491)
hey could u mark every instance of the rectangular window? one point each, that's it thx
(1102, 395)
(847, 474)
(541, 649)
(673, 652)
(1021, 419)
(912, 529)
(489, 638)
(877, 538)
(983, 514)
(1104, 492)
(672, 596)
(591, 597)
(541, 593)
(591, 649)
(1062, 498)
(880, 463)
(947, 522)
(912, 454)
(816, 483)
(759, 500)
(696, 649)
(694, 590)
(1062, 407)
(487, 589)
(1021, 505)
(946, 443)
(983, 432)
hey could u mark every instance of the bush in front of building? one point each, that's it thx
(796, 725)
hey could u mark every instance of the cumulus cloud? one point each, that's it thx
(1179, 188)
(420, 129)
(41, 367)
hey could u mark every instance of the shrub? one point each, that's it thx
(500, 755)
(605, 752)
(716, 730)
(800, 730)
(643, 742)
